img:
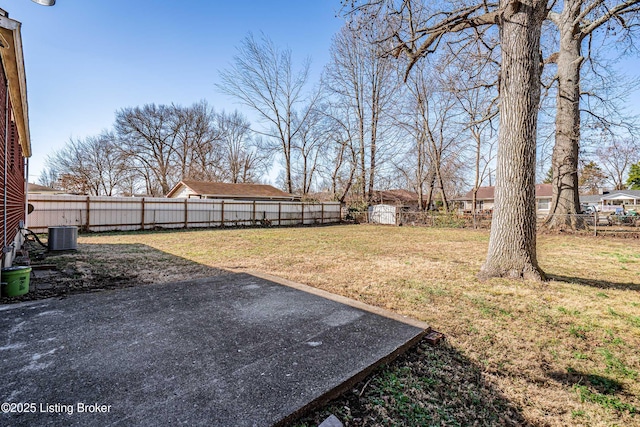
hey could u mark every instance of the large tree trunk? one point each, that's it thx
(512, 244)
(565, 202)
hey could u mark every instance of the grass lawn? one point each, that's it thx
(564, 352)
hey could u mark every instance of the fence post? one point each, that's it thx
(279, 214)
(302, 212)
(142, 215)
(222, 214)
(322, 213)
(186, 213)
(88, 224)
(595, 222)
(254, 213)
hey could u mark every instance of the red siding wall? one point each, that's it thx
(11, 166)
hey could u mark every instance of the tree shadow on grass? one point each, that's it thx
(428, 385)
(596, 283)
(599, 383)
(597, 389)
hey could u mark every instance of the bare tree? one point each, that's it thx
(430, 120)
(616, 157)
(93, 165)
(150, 139)
(577, 22)
(244, 158)
(75, 173)
(109, 163)
(257, 160)
(481, 132)
(473, 84)
(263, 78)
(340, 159)
(361, 77)
(155, 146)
(418, 31)
(312, 141)
(198, 152)
(166, 143)
(49, 176)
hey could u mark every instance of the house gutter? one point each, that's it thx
(238, 196)
(26, 192)
(13, 61)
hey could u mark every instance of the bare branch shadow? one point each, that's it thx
(600, 383)
(428, 385)
(596, 283)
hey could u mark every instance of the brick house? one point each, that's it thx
(15, 146)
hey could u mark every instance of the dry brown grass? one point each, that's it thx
(563, 352)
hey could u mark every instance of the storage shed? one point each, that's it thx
(382, 214)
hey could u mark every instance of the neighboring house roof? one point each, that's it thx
(322, 196)
(223, 190)
(590, 198)
(13, 62)
(618, 194)
(394, 197)
(41, 189)
(543, 191)
(611, 195)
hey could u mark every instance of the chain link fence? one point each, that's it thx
(606, 223)
(598, 223)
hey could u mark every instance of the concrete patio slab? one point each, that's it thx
(230, 350)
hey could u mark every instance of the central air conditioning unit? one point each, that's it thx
(63, 238)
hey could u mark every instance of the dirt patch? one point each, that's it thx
(95, 268)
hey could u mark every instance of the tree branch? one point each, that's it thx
(615, 11)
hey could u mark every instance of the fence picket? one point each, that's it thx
(101, 213)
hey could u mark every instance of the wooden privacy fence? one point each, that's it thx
(91, 213)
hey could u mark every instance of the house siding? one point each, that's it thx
(184, 193)
(485, 199)
(12, 171)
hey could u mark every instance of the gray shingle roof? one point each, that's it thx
(597, 198)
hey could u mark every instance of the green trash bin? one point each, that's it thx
(15, 281)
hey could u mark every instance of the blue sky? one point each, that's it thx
(85, 59)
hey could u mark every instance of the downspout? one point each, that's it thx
(26, 192)
(6, 150)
